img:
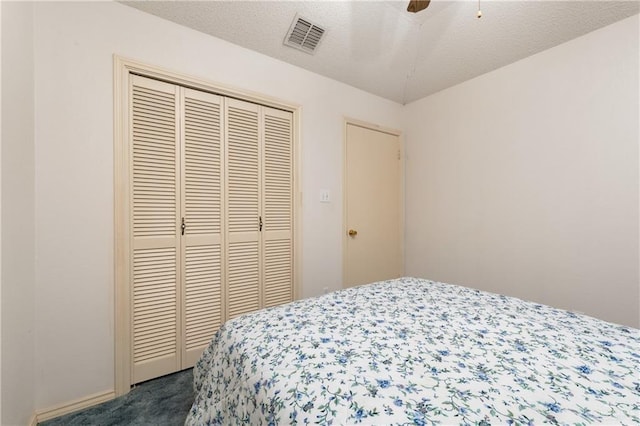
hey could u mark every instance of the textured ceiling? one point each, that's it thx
(379, 47)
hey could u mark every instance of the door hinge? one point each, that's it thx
(398, 154)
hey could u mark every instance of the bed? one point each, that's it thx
(412, 351)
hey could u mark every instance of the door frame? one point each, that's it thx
(345, 238)
(123, 68)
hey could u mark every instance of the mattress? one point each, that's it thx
(413, 351)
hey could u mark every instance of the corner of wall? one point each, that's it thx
(17, 209)
(0, 218)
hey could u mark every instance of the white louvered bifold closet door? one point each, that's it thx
(211, 218)
(243, 207)
(154, 223)
(202, 212)
(277, 241)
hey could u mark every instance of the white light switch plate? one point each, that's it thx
(325, 196)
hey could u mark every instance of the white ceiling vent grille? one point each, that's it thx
(304, 35)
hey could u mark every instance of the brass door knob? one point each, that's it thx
(352, 232)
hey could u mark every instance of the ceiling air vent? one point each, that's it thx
(303, 35)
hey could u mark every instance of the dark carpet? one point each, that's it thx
(162, 401)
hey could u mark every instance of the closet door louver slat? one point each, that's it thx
(277, 253)
(242, 213)
(202, 206)
(155, 194)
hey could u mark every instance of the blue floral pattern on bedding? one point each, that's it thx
(412, 351)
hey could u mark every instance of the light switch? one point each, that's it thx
(325, 196)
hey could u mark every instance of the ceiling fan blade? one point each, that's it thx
(416, 6)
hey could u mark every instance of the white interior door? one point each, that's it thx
(373, 206)
(244, 221)
(155, 191)
(277, 196)
(202, 203)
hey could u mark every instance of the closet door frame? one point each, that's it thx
(123, 69)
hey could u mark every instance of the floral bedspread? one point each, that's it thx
(411, 351)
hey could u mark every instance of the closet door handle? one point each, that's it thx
(183, 226)
(260, 223)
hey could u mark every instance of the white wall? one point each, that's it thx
(17, 177)
(1, 219)
(524, 181)
(74, 44)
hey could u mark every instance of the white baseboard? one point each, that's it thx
(70, 407)
(33, 421)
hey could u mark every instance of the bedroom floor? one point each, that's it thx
(162, 401)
